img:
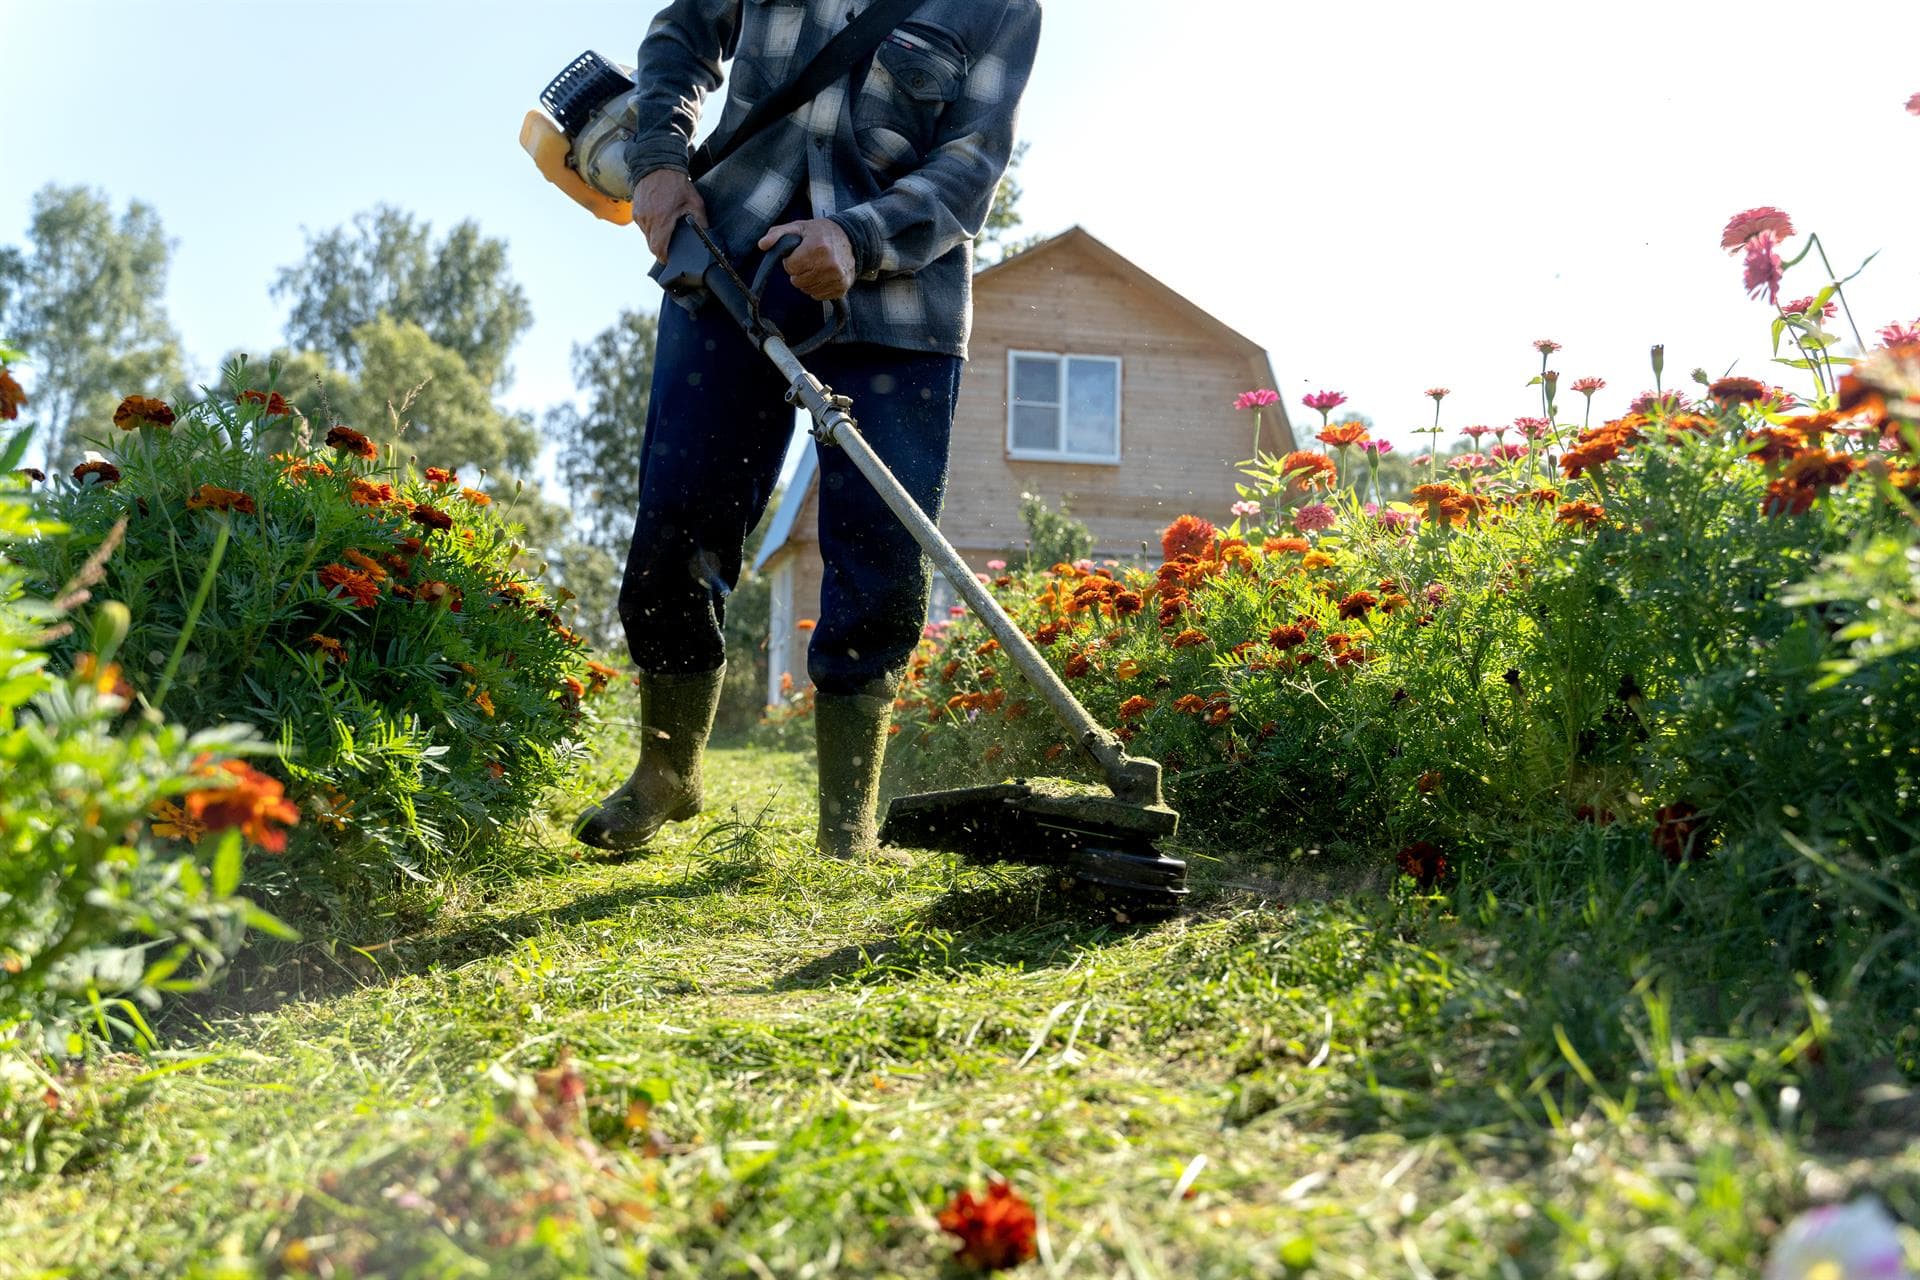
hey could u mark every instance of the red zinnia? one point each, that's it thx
(996, 1231)
(1748, 223)
(1257, 399)
(1342, 434)
(1187, 536)
(1587, 386)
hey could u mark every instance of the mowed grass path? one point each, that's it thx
(731, 1059)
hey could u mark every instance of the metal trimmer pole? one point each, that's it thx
(1131, 778)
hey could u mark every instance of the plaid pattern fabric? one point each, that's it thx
(907, 165)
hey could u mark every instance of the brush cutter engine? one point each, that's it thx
(578, 135)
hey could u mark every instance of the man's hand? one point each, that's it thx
(659, 201)
(822, 267)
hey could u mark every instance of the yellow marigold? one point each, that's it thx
(1316, 560)
(1128, 669)
(483, 700)
(171, 822)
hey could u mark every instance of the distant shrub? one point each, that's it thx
(370, 618)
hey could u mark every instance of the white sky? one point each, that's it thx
(1387, 196)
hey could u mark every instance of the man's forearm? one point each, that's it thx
(679, 65)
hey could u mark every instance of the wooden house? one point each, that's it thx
(1090, 383)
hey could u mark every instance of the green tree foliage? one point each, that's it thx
(458, 290)
(600, 444)
(85, 294)
(997, 240)
(1053, 537)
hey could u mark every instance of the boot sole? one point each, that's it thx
(595, 836)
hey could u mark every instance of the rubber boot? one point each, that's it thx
(850, 733)
(676, 714)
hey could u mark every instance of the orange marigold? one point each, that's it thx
(1191, 638)
(1187, 536)
(599, 675)
(245, 799)
(12, 396)
(439, 476)
(1818, 469)
(1286, 546)
(1190, 704)
(1356, 606)
(434, 591)
(1286, 637)
(1135, 707)
(213, 498)
(1785, 498)
(369, 493)
(351, 584)
(143, 411)
(366, 564)
(1581, 515)
(332, 648)
(1078, 664)
(347, 440)
(476, 497)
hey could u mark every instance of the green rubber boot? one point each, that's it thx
(676, 715)
(850, 733)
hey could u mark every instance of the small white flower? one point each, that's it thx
(1857, 1241)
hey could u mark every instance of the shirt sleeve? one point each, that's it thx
(678, 66)
(928, 211)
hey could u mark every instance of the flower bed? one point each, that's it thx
(371, 618)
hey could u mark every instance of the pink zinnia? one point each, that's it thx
(1246, 508)
(1378, 448)
(1475, 432)
(1664, 402)
(1324, 401)
(1587, 386)
(1900, 335)
(1764, 268)
(1507, 452)
(1257, 399)
(1546, 346)
(1533, 428)
(1748, 223)
(1913, 105)
(1422, 460)
(956, 611)
(1399, 519)
(995, 566)
(1313, 517)
(1467, 461)
(1801, 306)
(1438, 393)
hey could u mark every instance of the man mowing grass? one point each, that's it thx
(887, 175)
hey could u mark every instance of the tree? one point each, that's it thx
(1053, 537)
(600, 445)
(996, 241)
(86, 300)
(458, 291)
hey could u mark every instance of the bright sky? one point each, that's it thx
(1388, 197)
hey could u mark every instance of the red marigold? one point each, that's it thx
(12, 396)
(1078, 664)
(439, 476)
(1135, 707)
(1429, 782)
(213, 498)
(1748, 223)
(246, 799)
(1679, 831)
(1425, 863)
(1819, 469)
(104, 474)
(1288, 636)
(1738, 390)
(432, 517)
(1190, 638)
(1187, 536)
(1581, 515)
(1048, 632)
(1356, 606)
(272, 402)
(1785, 498)
(347, 440)
(142, 411)
(351, 584)
(996, 1231)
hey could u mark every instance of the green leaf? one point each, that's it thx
(228, 863)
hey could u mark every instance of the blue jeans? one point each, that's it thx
(717, 430)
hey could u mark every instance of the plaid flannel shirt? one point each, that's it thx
(908, 166)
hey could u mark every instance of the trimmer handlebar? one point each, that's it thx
(695, 271)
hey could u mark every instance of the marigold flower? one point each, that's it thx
(34, 474)
(333, 649)
(12, 396)
(431, 517)
(347, 440)
(1341, 435)
(105, 474)
(1286, 546)
(1764, 269)
(1581, 515)
(369, 493)
(351, 584)
(434, 591)
(1257, 399)
(297, 470)
(1731, 391)
(213, 498)
(1190, 704)
(1424, 862)
(1429, 782)
(1818, 469)
(366, 564)
(1785, 498)
(1127, 603)
(1679, 832)
(1357, 605)
(272, 402)
(1316, 560)
(106, 680)
(1287, 636)
(439, 476)
(245, 799)
(1191, 638)
(1078, 663)
(141, 411)
(1135, 707)
(483, 700)
(476, 497)
(1324, 401)
(171, 822)
(1748, 224)
(1313, 517)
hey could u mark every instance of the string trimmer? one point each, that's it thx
(1103, 845)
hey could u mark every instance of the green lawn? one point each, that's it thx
(728, 1058)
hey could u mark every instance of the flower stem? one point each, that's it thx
(1839, 290)
(193, 613)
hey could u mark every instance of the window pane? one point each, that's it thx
(1036, 380)
(1093, 408)
(1036, 427)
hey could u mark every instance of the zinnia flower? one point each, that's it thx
(1245, 508)
(1857, 1241)
(105, 474)
(996, 1231)
(347, 440)
(1257, 399)
(12, 396)
(1744, 226)
(996, 566)
(1507, 452)
(1534, 428)
(1377, 449)
(432, 517)
(247, 799)
(1900, 335)
(1324, 401)
(1913, 105)
(1764, 268)
(1475, 432)
(140, 411)
(351, 584)
(214, 498)
(1187, 536)
(1313, 517)
(1343, 434)
(1438, 393)
(1307, 469)
(1545, 346)
(1802, 306)
(1587, 386)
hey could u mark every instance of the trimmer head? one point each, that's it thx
(1103, 847)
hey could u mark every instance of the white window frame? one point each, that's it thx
(1062, 454)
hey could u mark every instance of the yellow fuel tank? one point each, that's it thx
(542, 139)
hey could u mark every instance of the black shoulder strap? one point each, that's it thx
(859, 38)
